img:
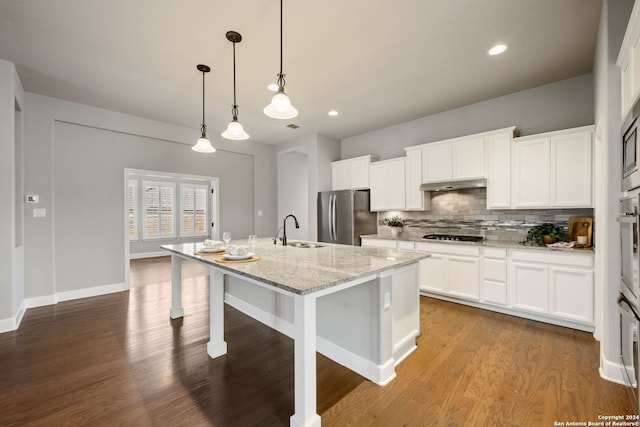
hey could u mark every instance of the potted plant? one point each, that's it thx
(395, 223)
(546, 233)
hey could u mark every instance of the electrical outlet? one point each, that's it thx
(387, 300)
(39, 213)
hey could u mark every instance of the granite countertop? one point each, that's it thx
(484, 243)
(303, 270)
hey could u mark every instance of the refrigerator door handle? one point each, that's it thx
(334, 235)
(330, 217)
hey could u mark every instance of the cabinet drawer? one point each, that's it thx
(380, 243)
(495, 253)
(448, 248)
(493, 292)
(495, 270)
(553, 257)
(405, 245)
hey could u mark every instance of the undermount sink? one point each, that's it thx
(307, 245)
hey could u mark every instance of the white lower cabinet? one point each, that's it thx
(494, 276)
(452, 269)
(555, 284)
(549, 286)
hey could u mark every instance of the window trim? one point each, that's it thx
(133, 184)
(207, 201)
(160, 185)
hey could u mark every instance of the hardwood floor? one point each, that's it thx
(119, 360)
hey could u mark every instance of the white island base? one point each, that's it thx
(368, 322)
(353, 327)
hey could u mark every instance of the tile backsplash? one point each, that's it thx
(465, 212)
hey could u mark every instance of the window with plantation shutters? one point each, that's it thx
(159, 210)
(132, 209)
(193, 210)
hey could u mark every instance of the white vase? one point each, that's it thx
(395, 231)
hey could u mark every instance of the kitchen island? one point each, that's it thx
(358, 306)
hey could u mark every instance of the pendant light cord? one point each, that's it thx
(281, 37)
(203, 128)
(235, 105)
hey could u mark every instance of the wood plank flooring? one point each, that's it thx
(119, 360)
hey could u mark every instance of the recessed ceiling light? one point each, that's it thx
(497, 49)
(333, 113)
(272, 87)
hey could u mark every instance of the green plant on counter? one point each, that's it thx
(394, 221)
(536, 233)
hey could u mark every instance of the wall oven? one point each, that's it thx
(630, 160)
(628, 307)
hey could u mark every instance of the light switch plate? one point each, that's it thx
(32, 198)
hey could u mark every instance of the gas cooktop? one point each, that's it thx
(453, 237)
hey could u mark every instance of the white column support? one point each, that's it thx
(305, 362)
(176, 311)
(216, 346)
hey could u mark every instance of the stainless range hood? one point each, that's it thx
(454, 185)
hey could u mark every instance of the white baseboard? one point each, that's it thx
(379, 374)
(611, 371)
(91, 292)
(40, 301)
(148, 255)
(13, 323)
(261, 316)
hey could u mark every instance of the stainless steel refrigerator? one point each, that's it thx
(343, 216)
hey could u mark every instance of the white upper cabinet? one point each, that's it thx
(629, 63)
(414, 197)
(436, 162)
(553, 170)
(468, 158)
(387, 179)
(571, 170)
(350, 173)
(498, 159)
(455, 159)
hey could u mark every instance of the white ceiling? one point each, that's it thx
(377, 62)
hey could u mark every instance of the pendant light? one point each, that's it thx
(203, 145)
(280, 107)
(234, 130)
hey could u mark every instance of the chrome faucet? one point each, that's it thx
(284, 228)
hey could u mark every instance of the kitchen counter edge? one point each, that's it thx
(484, 243)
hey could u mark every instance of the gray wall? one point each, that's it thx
(75, 161)
(11, 182)
(320, 151)
(608, 155)
(560, 105)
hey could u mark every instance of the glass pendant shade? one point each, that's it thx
(280, 107)
(203, 145)
(235, 131)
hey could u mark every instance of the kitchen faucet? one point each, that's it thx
(284, 228)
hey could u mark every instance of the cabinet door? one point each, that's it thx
(360, 172)
(340, 176)
(498, 171)
(433, 274)
(436, 162)
(572, 294)
(571, 170)
(530, 287)
(413, 172)
(378, 180)
(627, 90)
(531, 173)
(396, 185)
(464, 277)
(468, 158)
